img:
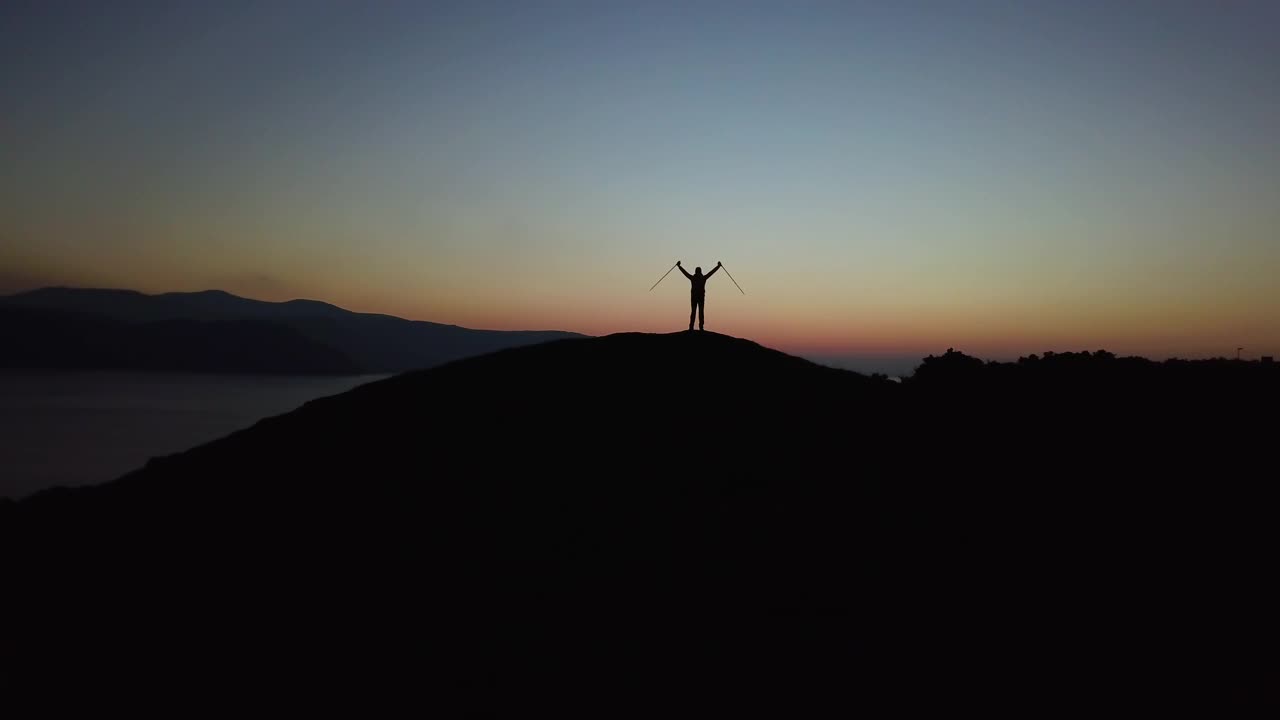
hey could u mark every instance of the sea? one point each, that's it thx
(67, 428)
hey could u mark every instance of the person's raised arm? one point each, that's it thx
(686, 272)
(713, 270)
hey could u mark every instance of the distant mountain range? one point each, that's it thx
(215, 331)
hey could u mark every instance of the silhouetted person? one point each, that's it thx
(697, 293)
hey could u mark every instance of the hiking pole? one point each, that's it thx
(664, 277)
(735, 282)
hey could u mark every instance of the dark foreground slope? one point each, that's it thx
(679, 523)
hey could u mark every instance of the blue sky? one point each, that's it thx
(883, 178)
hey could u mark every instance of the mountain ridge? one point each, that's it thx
(367, 342)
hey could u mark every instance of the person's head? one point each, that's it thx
(697, 271)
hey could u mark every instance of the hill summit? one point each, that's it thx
(691, 520)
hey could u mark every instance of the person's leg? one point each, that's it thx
(702, 312)
(693, 308)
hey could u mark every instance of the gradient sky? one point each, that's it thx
(882, 178)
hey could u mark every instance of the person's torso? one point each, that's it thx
(699, 284)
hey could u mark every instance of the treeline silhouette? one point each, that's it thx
(641, 523)
(1077, 369)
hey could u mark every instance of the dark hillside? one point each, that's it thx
(685, 521)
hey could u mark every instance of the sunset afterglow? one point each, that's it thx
(881, 178)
